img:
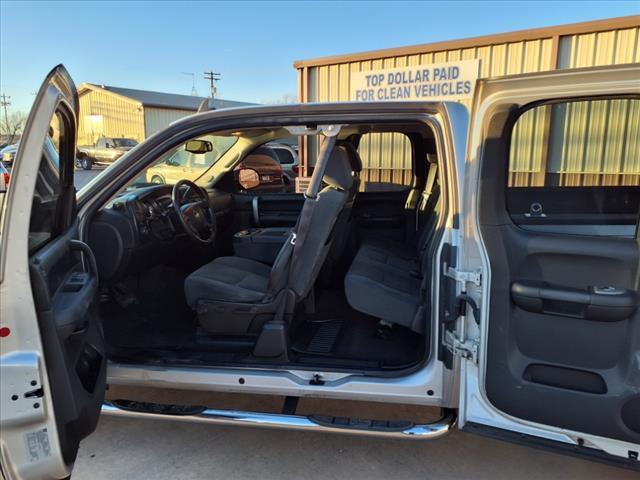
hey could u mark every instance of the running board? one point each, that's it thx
(312, 423)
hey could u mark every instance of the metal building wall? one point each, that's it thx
(155, 119)
(120, 117)
(607, 42)
(616, 154)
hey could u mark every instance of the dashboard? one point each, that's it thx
(151, 214)
(139, 228)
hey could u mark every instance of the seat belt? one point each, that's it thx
(299, 235)
(428, 190)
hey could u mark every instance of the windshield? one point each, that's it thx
(180, 163)
(124, 142)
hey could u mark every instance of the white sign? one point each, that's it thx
(442, 81)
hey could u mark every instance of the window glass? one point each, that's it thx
(124, 142)
(194, 165)
(285, 157)
(261, 171)
(178, 159)
(45, 216)
(386, 162)
(577, 163)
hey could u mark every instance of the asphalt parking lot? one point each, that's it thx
(145, 449)
(82, 177)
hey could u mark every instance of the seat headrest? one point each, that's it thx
(354, 156)
(432, 158)
(338, 174)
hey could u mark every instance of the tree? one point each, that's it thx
(285, 99)
(12, 125)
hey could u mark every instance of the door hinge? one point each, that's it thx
(464, 276)
(466, 349)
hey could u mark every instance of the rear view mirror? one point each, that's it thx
(198, 146)
(248, 178)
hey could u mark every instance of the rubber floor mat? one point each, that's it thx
(320, 337)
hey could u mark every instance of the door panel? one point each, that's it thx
(267, 210)
(48, 289)
(553, 165)
(65, 297)
(279, 209)
(581, 364)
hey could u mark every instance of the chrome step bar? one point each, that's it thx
(399, 430)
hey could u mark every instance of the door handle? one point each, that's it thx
(89, 260)
(600, 303)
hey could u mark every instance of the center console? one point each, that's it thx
(260, 244)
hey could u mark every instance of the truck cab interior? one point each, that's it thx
(214, 270)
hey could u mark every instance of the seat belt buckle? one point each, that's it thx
(292, 240)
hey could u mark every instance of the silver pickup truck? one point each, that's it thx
(493, 303)
(105, 150)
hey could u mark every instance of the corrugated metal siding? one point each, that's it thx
(598, 143)
(604, 148)
(388, 160)
(529, 154)
(387, 156)
(155, 119)
(330, 83)
(120, 118)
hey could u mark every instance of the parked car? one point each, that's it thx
(8, 154)
(288, 157)
(4, 177)
(490, 288)
(259, 169)
(105, 150)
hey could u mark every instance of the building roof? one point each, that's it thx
(593, 26)
(173, 101)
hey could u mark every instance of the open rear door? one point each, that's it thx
(52, 362)
(551, 225)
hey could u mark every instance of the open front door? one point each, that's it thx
(555, 162)
(52, 363)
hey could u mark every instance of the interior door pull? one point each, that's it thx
(91, 267)
(599, 303)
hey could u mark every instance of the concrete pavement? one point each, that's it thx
(164, 449)
(158, 450)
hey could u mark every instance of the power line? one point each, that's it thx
(213, 78)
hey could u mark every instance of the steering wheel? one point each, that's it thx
(197, 217)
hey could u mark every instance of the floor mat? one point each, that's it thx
(158, 318)
(339, 331)
(319, 337)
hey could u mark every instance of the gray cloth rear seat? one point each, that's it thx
(386, 278)
(406, 255)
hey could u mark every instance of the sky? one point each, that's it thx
(148, 45)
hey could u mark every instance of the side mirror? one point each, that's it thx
(248, 178)
(198, 146)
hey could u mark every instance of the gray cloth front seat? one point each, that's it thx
(236, 295)
(343, 229)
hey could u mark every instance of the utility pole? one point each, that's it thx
(5, 103)
(213, 79)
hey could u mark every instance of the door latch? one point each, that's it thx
(463, 348)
